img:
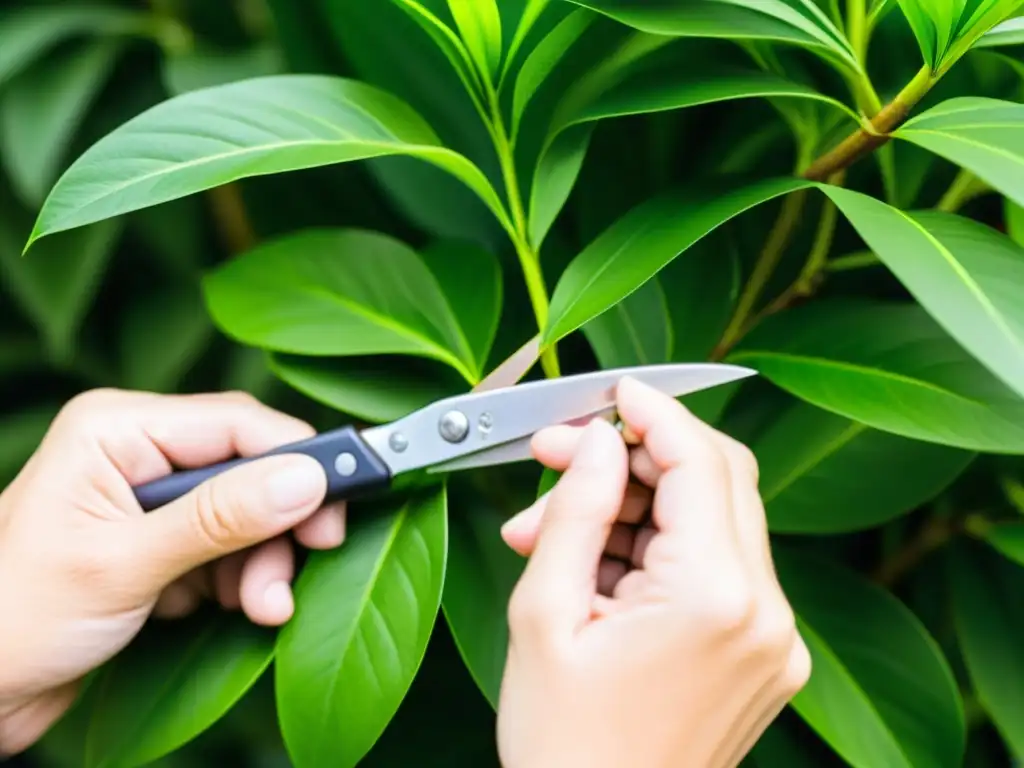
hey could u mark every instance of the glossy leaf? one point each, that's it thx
(980, 134)
(966, 274)
(636, 331)
(333, 292)
(989, 617)
(371, 389)
(671, 89)
(28, 32)
(482, 572)
(163, 333)
(56, 285)
(821, 473)
(532, 11)
(635, 247)
(470, 278)
(249, 128)
(889, 366)
(479, 24)
(1007, 33)
(773, 20)
(880, 692)
(947, 28)
(544, 58)
(42, 108)
(172, 683)
(1014, 220)
(363, 617)
(1008, 540)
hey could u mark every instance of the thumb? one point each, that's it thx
(560, 581)
(240, 508)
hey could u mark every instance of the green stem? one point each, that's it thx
(852, 262)
(934, 534)
(965, 187)
(772, 252)
(856, 27)
(529, 258)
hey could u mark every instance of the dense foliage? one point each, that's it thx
(829, 192)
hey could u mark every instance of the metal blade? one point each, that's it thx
(457, 428)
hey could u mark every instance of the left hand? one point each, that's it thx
(82, 567)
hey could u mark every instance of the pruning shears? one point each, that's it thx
(479, 429)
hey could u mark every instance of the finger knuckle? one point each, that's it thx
(215, 513)
(743, 458)
(529, 611)
(242, 397)
(772, 631)
(88, 408)
(798, 673)
(730, 611)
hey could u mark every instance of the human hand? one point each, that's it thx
(82, 567)
(685, 659)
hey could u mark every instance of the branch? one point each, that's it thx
(866, 140)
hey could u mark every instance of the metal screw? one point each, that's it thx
(485, 423)
(346, 464)
(398, 442)
(454, 426)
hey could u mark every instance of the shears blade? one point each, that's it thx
(495, 427)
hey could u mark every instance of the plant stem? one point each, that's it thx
(529, 258)
(807, 281)
(965, 187)
(853, 261)
(864, 141)
(773, 249)
(236, 230)
(935, 533)
(856, 27)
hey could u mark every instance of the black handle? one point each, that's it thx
(352, 469)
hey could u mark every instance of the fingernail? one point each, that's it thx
(596, 449)
(297, 485)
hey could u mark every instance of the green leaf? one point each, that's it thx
(28, 32)
(889, 366)
(773, 20)
(880, 692)
(636, 331)
(669, 89)
(821, 473)
(482, 572)
(931, 39)
(55, 286)
(377, 390)
(531, 13)
(470, 278)
(980, 134)
(989, 618)
(363, 617)
(1014, 216)
(199, 68)
(1008, 540)
(41, 110)
(635, 247)
(335, 292)
(23, 430)
(1008, 33)
(479, 24)
(171, 684)
(701, 291)
(261, 126)
(163, 333)
(966, 274)
(543, 59)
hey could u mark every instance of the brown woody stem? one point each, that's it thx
(865, 141)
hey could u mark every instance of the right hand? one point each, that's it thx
(685, 659)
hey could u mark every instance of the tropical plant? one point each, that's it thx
(829, 193)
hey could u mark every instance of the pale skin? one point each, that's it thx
(683, 657)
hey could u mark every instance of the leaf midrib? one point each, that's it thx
(817, 459)
(863, 370)
(364, 601)
(854, 684)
